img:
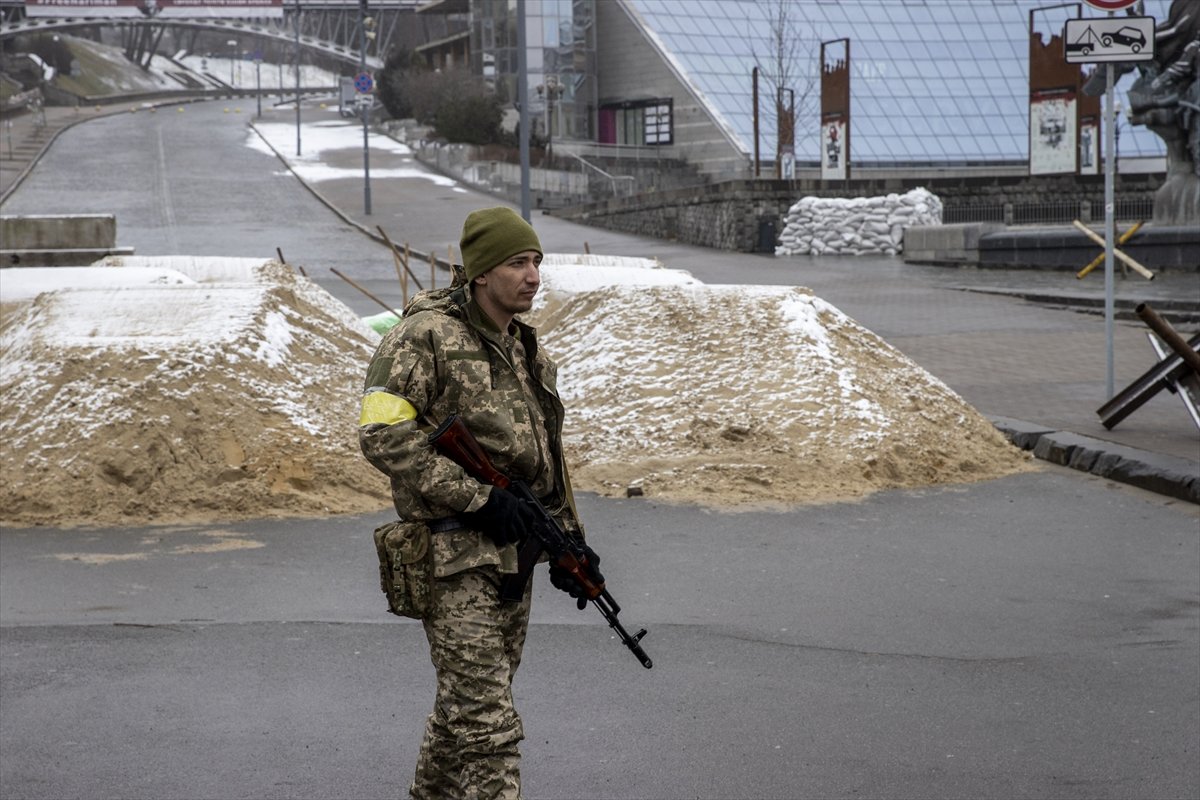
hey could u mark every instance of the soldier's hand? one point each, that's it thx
(565, 581)
(504, 518)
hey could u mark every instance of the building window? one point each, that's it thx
(658, 123)
(637, 122)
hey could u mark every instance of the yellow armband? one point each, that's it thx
(384, 408)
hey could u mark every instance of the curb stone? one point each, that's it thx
(1155, 472)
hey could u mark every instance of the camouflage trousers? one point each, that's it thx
(475, 641)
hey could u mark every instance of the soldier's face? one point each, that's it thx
(511, 286)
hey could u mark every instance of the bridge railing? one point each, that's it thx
(238, 26)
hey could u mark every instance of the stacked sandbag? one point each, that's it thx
(853, 226)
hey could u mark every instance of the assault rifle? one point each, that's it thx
(454, 440)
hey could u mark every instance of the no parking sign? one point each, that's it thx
(364, 82)
(1110, 5)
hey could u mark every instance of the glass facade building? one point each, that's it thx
(931, 81)
(560, 51)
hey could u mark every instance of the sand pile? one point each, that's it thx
(179, 389)
(184, 389)
(747, 396)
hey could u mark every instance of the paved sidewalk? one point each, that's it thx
(25, 136)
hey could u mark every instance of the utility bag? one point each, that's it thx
(405, 567)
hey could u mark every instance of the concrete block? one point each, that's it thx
(1065, 248)
(59, 232)
(946, 244)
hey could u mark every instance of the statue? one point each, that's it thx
(1166, 99)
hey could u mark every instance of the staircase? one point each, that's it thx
(24, 136)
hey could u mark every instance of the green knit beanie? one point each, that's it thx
(491, 235)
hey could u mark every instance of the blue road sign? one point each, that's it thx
(363, 82)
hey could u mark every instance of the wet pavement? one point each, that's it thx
(1030, 364)
(1033, 636)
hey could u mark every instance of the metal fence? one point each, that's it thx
(1134, 208)
(1049, 213)
(993, 212)
(1043, 213)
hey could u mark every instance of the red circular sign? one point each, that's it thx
(1110, 5)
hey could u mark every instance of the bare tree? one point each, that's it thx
(783, 51)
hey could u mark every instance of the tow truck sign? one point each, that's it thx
(1090, 41)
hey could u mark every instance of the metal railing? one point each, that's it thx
(629, 181)
(989, 212)
(1047, 213)
(1132, 208)
(632, 152)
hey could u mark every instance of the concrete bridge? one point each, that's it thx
(262, 29)
(332, 28)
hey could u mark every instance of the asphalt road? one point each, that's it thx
(1035, 636)
(1029, 637)
(183, 182)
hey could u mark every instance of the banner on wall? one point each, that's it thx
(1052, 134)
(835, 110)
(833, 150)
(155, 8)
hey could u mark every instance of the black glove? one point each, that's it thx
(504, 518)
(565, 581)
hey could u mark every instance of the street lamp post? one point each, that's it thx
(522, 107)
(297, 78)
(365, 22)
(232, 51)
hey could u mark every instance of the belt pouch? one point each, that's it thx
(405, 568)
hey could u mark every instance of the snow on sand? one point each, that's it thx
(180, 389)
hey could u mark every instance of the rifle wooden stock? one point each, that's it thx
(453, 440)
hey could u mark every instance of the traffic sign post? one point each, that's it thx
(1103, 39)
(1109, 40)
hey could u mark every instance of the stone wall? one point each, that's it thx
(744, 216)
(748, 215)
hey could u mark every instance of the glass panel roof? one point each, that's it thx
(927, 79)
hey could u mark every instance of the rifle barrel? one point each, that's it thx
(609, 608)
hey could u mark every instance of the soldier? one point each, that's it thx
(461, 350)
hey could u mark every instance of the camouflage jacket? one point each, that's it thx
(446, 357)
